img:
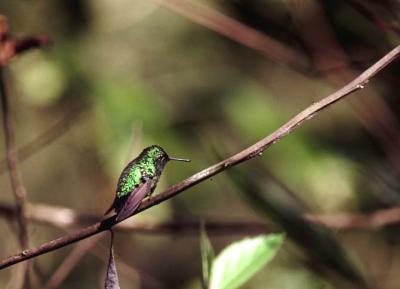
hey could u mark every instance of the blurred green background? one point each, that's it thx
(121, 75)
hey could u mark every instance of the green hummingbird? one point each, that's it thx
(139, 179)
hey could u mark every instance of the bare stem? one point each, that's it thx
(255, 150)
(13, 168)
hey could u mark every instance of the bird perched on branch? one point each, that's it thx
(139, 179)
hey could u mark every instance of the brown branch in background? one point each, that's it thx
(38, 272)
(12, 157)
(94, 247)
(15, 174)
(10, 47)
(48, 136)
(243, 34)
(70, 262)
(65, 218)
(375, 15)
(236, 31)
(255, 150)
(372, 112)
(345, 221)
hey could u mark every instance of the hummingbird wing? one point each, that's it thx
(134, 199)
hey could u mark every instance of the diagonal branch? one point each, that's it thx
(255, 150)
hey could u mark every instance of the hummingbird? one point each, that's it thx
(139, 179)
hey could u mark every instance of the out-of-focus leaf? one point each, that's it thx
(111, 280)
(241, 260)
(207, 255)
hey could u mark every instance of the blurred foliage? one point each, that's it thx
(151, 76)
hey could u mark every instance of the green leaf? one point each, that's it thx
(241, 260)
(207, 255)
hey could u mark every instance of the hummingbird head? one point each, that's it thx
(159, 156)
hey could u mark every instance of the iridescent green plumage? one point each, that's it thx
(138, 179)
(143, 166)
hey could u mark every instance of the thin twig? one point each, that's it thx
(15, 174)
(247, 154)
(12, 163)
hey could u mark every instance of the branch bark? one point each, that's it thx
(255, 150)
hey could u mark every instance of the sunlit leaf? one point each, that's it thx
(241, 260)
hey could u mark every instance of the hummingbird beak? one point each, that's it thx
(178, 159)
